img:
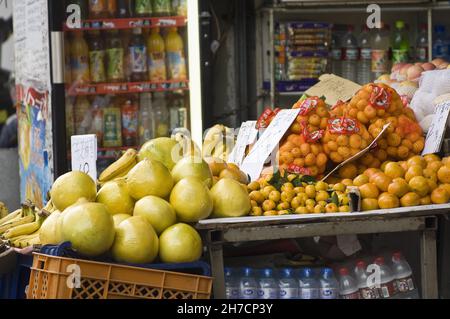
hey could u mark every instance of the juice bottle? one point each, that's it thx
(143, 8)
(380, 51)
(179, 7)
(145, 118)
(97, 57)
(115, 57)
(137, 51)
(156, 56)
(178, 112)
(97, 118)
(162, 8)
(400, 43)
(176, 62)
(130, 122)
(81, 114)
(160, 115)
(112, 8)
(112, 126)
(98, 9)
(79, 58)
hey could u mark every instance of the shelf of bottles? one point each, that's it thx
(129, 23)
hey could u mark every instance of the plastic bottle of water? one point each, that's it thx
(308, 285)
(403, 277)
(364, 74)
(362, 282)
(336, 53)
(350, 55)
(387, 287)
(267, 285)
(440, 48)
(348, 288)
(422, 44)
(329, 286)
(248, 285)
(288, 286)
(231, 284)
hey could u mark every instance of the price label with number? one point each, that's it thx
(436, 131)
(84, 154)
(247, 136)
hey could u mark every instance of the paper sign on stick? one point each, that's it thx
(247, 136)
(254, 162)
(84, 154)
(436, 131)
(334, 88)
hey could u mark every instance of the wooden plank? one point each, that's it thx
(428, 265)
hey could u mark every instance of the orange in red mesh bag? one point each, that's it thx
(344, 137)
(313, 112)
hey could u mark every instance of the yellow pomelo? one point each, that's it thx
(163, 149)
(114, 195)
(159, 213)
(230, 199)
(120, 218)
(192, 166)
(50, 231)
(180, 243)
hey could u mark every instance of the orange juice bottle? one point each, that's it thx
(156, 56)
(176, 61)
(79, 52)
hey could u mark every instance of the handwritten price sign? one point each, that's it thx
(436, 131)
(84, 154)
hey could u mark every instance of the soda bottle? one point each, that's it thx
(387, 287)
(82, 116)
(98, 9)
(308, 285)
(160, 115)
(178, 112)
(162, 8)
(179, 8)
(112, 126)
(422, 44)
(115, 57)
(364, 74)
(329, 286)
(143, 8)
(403, 275)
(124, 9)
(79, 58)
(380, 51)
(145, 120)
(440, 48)
(156, 56)
(97, 118)
(130, 123)
(288, 285)
(350, 55)
(231, 284)
(336, 53)
(83, 7)
(267, 285)
(365, 291)
(97, 56)
(348, 288)
(247, 285)
(400, 43)
(138, 56)
(176, 62)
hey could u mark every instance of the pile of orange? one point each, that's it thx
(313, 115)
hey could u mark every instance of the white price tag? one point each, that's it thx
(254, 162)
(84, 154)
(247, 136)
(436, 131)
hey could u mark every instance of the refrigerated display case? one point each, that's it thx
(88, 67)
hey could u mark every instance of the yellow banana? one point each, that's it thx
(117, 169)
(3, 210)
(21, 241)
(20, 230)
(10, 217)
(21, 221)
(27, 242)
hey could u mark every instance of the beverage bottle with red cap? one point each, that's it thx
(366, 290)
(387, 287)
(348, 288)
(350, 55)
(403, 276)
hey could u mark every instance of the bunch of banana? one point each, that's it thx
(219, 142)
(3, 210)
(119, 168)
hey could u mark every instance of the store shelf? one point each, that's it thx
(130, 23)
(127, 87)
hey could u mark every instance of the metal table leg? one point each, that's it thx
(216, 260)
(428, 264)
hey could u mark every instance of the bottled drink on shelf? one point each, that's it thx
(267, 285)
(329, 286)
(137, 51)
(160, 115)
(124, 9)
(143, 8)
(387, 287)
(162, 8)
(348, 288)
(145, 120)
(98, 9)
(400, 43)
(176, 62)
(350, 55)
(231, 284)
(79, 58)
(336, 53)
(97, 56)
(287, 284)
(112, 126)
(440, 46)
(130, 123)
(70, 119)
(83, 7)
(97, 118)
(308, 285)
(156, 56)
(178, 112)
(248, 285)
(179, 7)
(403, 276)
(115, 57)
(364, 74)
(112, 8)
(380, 51)
(67, 61)
(422, 44)
(82, 115)
(366, 289)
